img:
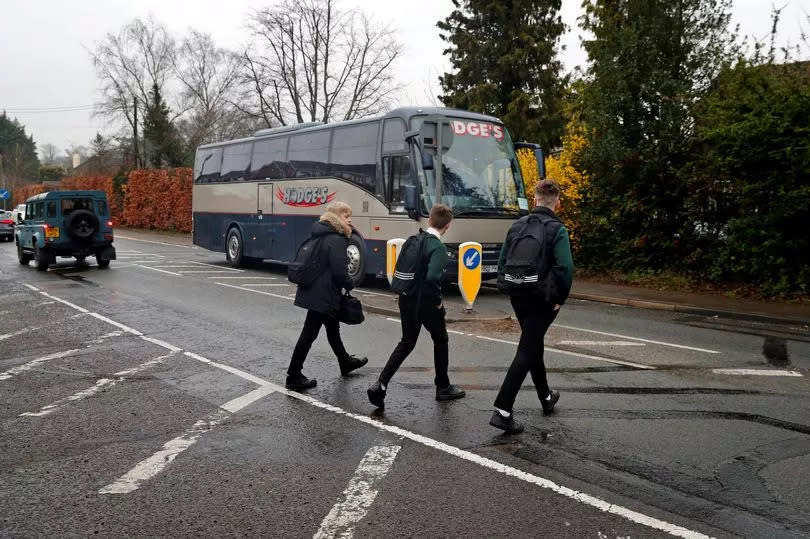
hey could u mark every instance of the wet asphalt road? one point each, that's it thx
(145, 400)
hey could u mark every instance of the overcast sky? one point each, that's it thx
(45, 64)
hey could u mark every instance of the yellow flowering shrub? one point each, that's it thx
(561, 169)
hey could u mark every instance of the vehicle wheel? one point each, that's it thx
(356, 252)
(41, 257)
(234, 248)
(24, 258)
(102, 263)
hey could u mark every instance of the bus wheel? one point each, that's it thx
(234, 249)
(357, 260)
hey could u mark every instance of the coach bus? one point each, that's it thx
(256, 198)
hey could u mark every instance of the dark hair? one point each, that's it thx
(546, 189)
(440, 216)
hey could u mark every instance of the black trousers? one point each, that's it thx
(534, 317)
(312, 326)
(413, 317)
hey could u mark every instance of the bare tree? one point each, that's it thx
(310, 61)
(207, 76)
(49, 153)
(129, 64)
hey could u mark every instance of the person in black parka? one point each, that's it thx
(322, 298)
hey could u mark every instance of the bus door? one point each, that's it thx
(265, 221)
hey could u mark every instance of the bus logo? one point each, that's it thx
(304, 197)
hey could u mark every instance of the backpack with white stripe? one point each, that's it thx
(410, 271)
(528, 258)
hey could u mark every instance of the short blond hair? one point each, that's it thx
(339, 208)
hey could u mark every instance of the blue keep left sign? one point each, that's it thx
(4, 194)
(472, 259)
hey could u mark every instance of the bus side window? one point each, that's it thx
(51, 209)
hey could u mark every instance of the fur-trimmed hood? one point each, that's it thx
(336, 223)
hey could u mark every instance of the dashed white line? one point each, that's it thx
(254, 291)
(601, 343)
(153, 465)
(156, 269)
(639, 339)
(101, 384)
(756, 372)
(259, 285)
(163, 344)
(34, 363)
(243, 277)
(23, 331)
(238, 403)
(184, 272)
(359, 494)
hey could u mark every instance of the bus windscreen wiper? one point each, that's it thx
(485, 210)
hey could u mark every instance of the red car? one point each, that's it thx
(6, 225)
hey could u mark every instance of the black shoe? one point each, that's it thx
(506, 424)
(351, 363)
(376, 394)
(449, 393)
(299, 382)
(548, 404)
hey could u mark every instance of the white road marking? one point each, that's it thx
(484, 462)
(452, 331)
(34, 288)
(238, 403)
(116, 324)
(34, 363)
(392, 319)
(628, 337)
(576, 354)
(63, 302)
(254, 291)
(184, 272)
(23, 331)
(359, 494)
(153, 465)
(163, 344)
(160, 270)
(264, 284)
(141, 255)
(756, 372)
(601, 343)
(102, 383)
(172, 266)
(245, 277)
(155, 242)
(370, 293)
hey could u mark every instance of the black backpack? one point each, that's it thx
(307, 264)
(409, 271)
(527, 270)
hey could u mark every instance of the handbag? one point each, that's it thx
(351, 310)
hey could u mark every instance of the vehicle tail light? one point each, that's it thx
(45, 226)
(6, 222)
(109, 224)
(108, 237)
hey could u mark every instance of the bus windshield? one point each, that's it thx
(480, 174)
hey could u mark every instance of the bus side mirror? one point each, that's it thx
(541, 163)
(19, 219)
(410, 197)
(427, 160)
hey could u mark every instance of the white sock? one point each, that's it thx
(382, 386)
(549, 397)
(504, 413)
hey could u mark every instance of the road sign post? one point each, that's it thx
(469, 271)
(4, 195)
(392, 249)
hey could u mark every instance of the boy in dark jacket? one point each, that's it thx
(535, 312)
(322, 298)
(424, 308)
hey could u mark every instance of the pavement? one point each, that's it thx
(147, 399)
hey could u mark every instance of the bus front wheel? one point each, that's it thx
(234, 250)
(356, 254)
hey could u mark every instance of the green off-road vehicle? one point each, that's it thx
(65, 224)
